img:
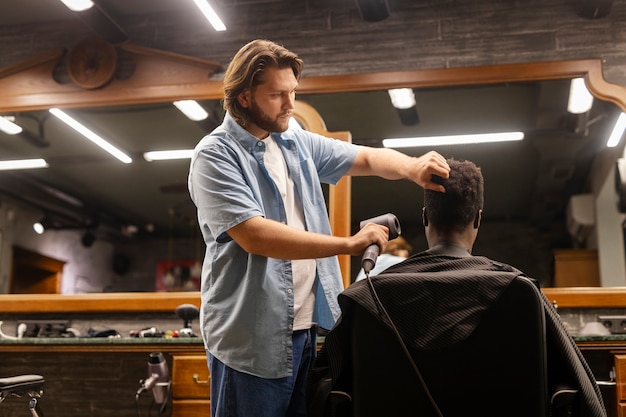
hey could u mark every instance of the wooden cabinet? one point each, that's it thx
(191, 385)
(576, 268)
(33, 273)
(607, 360)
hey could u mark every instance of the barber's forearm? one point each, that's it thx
(381, 162)
(273, 239)
(392, 165)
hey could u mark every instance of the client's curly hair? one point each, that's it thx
(453, 210)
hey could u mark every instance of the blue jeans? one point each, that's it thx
(237, 394)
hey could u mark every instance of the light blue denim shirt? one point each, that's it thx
(247, 300)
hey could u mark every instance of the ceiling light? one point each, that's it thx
(210, 14)
(42, 225)
(8, 127)
(39, 228)
(166, 155)
(402, 98)
(191, 109)
(618, 131)
(78, 5)
(580, 99)
(77, 126)
(23, 164)
(452, 140)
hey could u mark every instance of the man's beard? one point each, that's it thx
(264, 121)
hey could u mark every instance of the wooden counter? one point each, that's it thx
(100, 377)
(145, 302)
(568, 297)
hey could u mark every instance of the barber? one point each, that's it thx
(270, 273)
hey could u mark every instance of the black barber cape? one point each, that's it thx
(444, 324)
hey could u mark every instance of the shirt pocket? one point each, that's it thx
(311, 189)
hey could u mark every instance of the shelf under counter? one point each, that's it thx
(93, 376)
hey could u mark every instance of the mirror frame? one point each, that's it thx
(178, 87)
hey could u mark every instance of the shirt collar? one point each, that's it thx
(247, 139)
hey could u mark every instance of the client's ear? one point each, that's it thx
(477, 219)
(424, 217)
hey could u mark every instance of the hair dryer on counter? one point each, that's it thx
(368, 261)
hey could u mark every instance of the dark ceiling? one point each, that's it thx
(528, 181)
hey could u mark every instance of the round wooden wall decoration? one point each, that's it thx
(91, 63)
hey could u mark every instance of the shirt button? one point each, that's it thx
(259, 144)
(289, 291)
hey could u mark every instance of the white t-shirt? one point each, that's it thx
(303, 269)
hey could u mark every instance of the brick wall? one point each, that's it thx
(418, 34)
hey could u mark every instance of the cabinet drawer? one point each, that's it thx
(190, 377)
(191, 408)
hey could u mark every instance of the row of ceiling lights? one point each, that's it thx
(190, 108)
(580, 101)
(203, 5)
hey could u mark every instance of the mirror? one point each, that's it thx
(562, 155)
(329, 95)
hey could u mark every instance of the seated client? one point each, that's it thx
(466, 324)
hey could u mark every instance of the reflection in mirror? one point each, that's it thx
(140, 213)
(84, 184)
(528, 183)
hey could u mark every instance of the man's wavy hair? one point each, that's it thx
(453, 210)
(246, 70)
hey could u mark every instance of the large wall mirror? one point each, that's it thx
(529, 183)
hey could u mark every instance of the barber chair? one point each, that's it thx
(23, 386)
(498, 367)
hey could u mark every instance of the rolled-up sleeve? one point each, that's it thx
(219, 189)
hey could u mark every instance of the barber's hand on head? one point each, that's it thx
(369, 234)
(428, 165)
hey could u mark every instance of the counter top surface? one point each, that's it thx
(197, 340)
(102, 344)
(103, 341)
(601, 338)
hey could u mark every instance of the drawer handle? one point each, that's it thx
(197, 380)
